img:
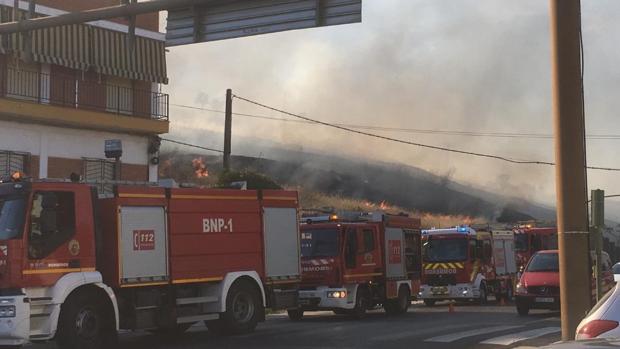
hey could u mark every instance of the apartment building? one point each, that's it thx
(64, 91)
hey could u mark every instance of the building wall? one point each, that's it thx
(147, 21)
(57, 152)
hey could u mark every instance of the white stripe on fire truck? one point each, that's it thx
(324, 261)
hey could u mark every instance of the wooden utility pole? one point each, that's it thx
(228, 130)
(569, 130)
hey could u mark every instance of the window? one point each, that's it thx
(100, 170)
(11, 162)
(319, 242)
(350, 252)
(473, 248)
(52, 222)
(369, 240)
(486, 250)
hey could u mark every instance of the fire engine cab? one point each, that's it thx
(77, 267)
(529, 240)
(463, 263)
(355, 261)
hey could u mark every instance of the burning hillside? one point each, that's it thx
(353, 185)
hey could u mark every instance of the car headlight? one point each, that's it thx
(521, 289)
(336, 294)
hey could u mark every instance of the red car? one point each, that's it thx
(539, 286)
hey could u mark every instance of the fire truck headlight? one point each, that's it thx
(6, 310)
(336, 294)
(521, 289)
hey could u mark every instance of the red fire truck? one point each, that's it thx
(463, 263)
(359, 261)
(529, 240)
(77, 267)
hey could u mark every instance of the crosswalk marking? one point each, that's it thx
(460, 335)
(417, 332)
(521, 336)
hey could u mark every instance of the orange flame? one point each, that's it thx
(200, 169)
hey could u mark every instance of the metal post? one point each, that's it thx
(598, 224)
(575, 286)
(228, 130)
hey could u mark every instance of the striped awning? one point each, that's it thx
(112, 56)
(83, 47)
(67, 46)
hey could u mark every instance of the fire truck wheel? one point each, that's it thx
(404, 300)
(429, 302)
(399, 305)
(295, 314)
(482, 300)
(243, 308)
(361, 304)
(85, 323)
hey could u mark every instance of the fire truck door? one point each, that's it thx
(52, 227)
(368, 255)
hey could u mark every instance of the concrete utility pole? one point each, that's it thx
(572, 211)
(228, 130)
(598, 223)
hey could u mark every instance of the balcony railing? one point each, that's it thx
(85, 94)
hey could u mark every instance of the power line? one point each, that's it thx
(451, 150)
(192, 145)
(409, 130)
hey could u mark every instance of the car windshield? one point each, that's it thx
(521, 243)
(445, 250)
(12, 214)
(319, 242)
(544, 262)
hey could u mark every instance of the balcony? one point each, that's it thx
(82, 102)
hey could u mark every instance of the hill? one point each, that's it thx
(351, 183)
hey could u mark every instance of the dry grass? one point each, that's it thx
(316, 200)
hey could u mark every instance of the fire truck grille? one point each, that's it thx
(441, 280)
(544, 290)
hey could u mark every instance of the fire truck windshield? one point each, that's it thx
(12, 214)
(445, 250)
(319, 242)
(521, 243)
(544, 262)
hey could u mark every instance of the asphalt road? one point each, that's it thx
(469, 326)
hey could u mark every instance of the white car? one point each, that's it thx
(603, 321)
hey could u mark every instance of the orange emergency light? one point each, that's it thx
(17, 176)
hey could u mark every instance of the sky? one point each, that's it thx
(458, 65)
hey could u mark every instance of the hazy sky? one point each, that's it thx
(463, 65)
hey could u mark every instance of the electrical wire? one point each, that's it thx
(373, 135)
(407, 130)
(191, 145)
